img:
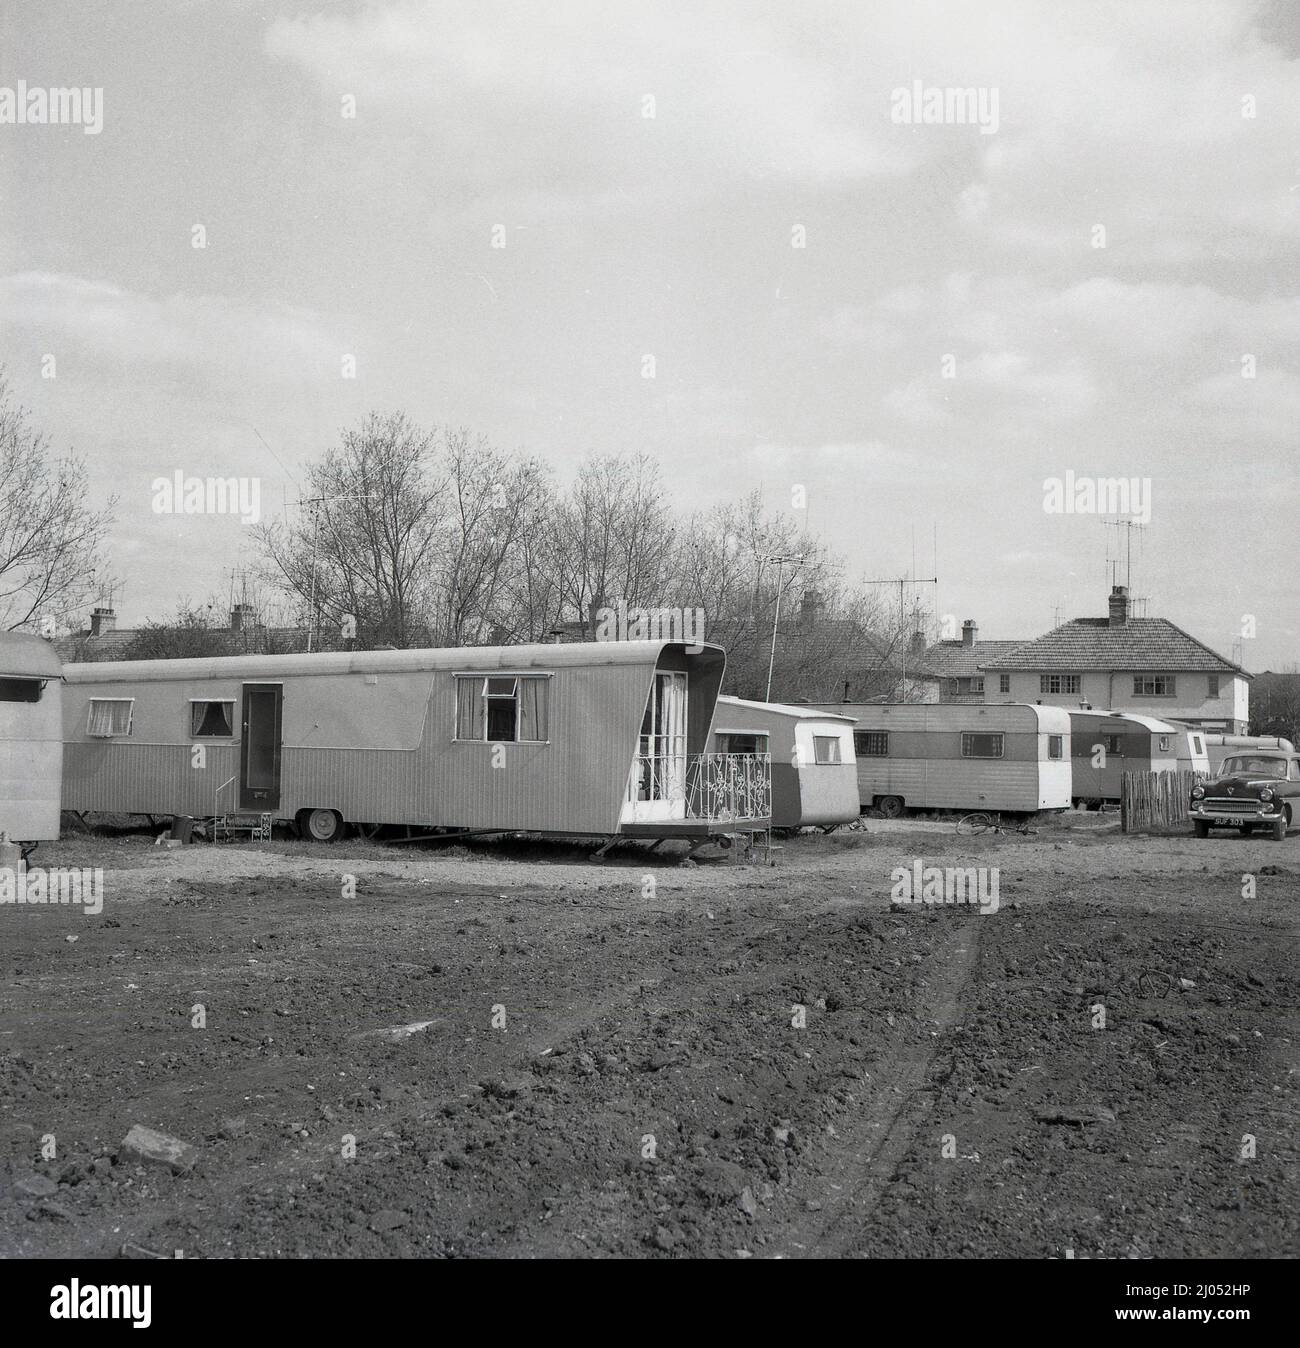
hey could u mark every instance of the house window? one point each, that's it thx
(109, 716)
(826, 749)
(871, 743)
(979, 744)
(212, 720)
(977, 685)
(733, 742)
(1058, 683)
(1004, 683)
(20, 690)
(1055, 746)
(1153, 685)
(1214, 685)
(502, 708)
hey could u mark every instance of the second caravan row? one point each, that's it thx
(1015, 757)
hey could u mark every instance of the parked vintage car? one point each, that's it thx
(1252, 790)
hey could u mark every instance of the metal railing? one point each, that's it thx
(722, 787)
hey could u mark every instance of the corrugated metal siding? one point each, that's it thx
(119, 777)
(957, 784)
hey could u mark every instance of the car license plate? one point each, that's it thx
(1226, 820)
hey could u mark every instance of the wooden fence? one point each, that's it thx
(1156, 799)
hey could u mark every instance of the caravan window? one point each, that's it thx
(212, 720)
(826, 749)
(733, 742)
(1055, 746)
(20, 690)
(871, 743)
(1164, 744)
(109, 716)
(981, 744)
(497, 708)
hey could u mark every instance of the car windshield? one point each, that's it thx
(1249, 766)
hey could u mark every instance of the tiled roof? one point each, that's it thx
(954, 660)
(1153, 644)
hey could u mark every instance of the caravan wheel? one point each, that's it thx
(890, 806)
(320, 825)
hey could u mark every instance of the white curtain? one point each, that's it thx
(109, 717)
(532, 709)
(470, 722)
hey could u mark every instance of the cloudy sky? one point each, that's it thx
(928, 250)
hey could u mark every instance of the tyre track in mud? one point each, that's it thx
(848, 1182)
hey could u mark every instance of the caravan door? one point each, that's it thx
(656, 787)
(259, 749)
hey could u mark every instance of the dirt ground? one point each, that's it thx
(509, 1050)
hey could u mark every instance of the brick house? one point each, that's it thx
(1123, 663)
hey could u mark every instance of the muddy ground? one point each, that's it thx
(531, 1054)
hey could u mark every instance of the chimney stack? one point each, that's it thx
(918, 645)
(810, 608)
(241, 617)
(102, 620)
(1118, 605)
(969, 631)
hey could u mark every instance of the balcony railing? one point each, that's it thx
(716, 788)
(723, 787)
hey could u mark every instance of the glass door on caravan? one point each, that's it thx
(259, 750)
(656, 787)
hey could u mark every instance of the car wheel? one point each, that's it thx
(891, 806)
(1279, 828)
(1202, 829)
(320, 825)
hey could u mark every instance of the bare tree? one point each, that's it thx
(367, 542)
(617, 538)
(494, 502)
(50, 537)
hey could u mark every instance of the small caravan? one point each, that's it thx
(31, 738)
(814, 776)
(1105, 745)
(957, 756)
(598, 738)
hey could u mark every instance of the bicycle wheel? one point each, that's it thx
(969, 825)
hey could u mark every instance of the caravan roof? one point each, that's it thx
(561, 655)
(784, 709)
(23, 656)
